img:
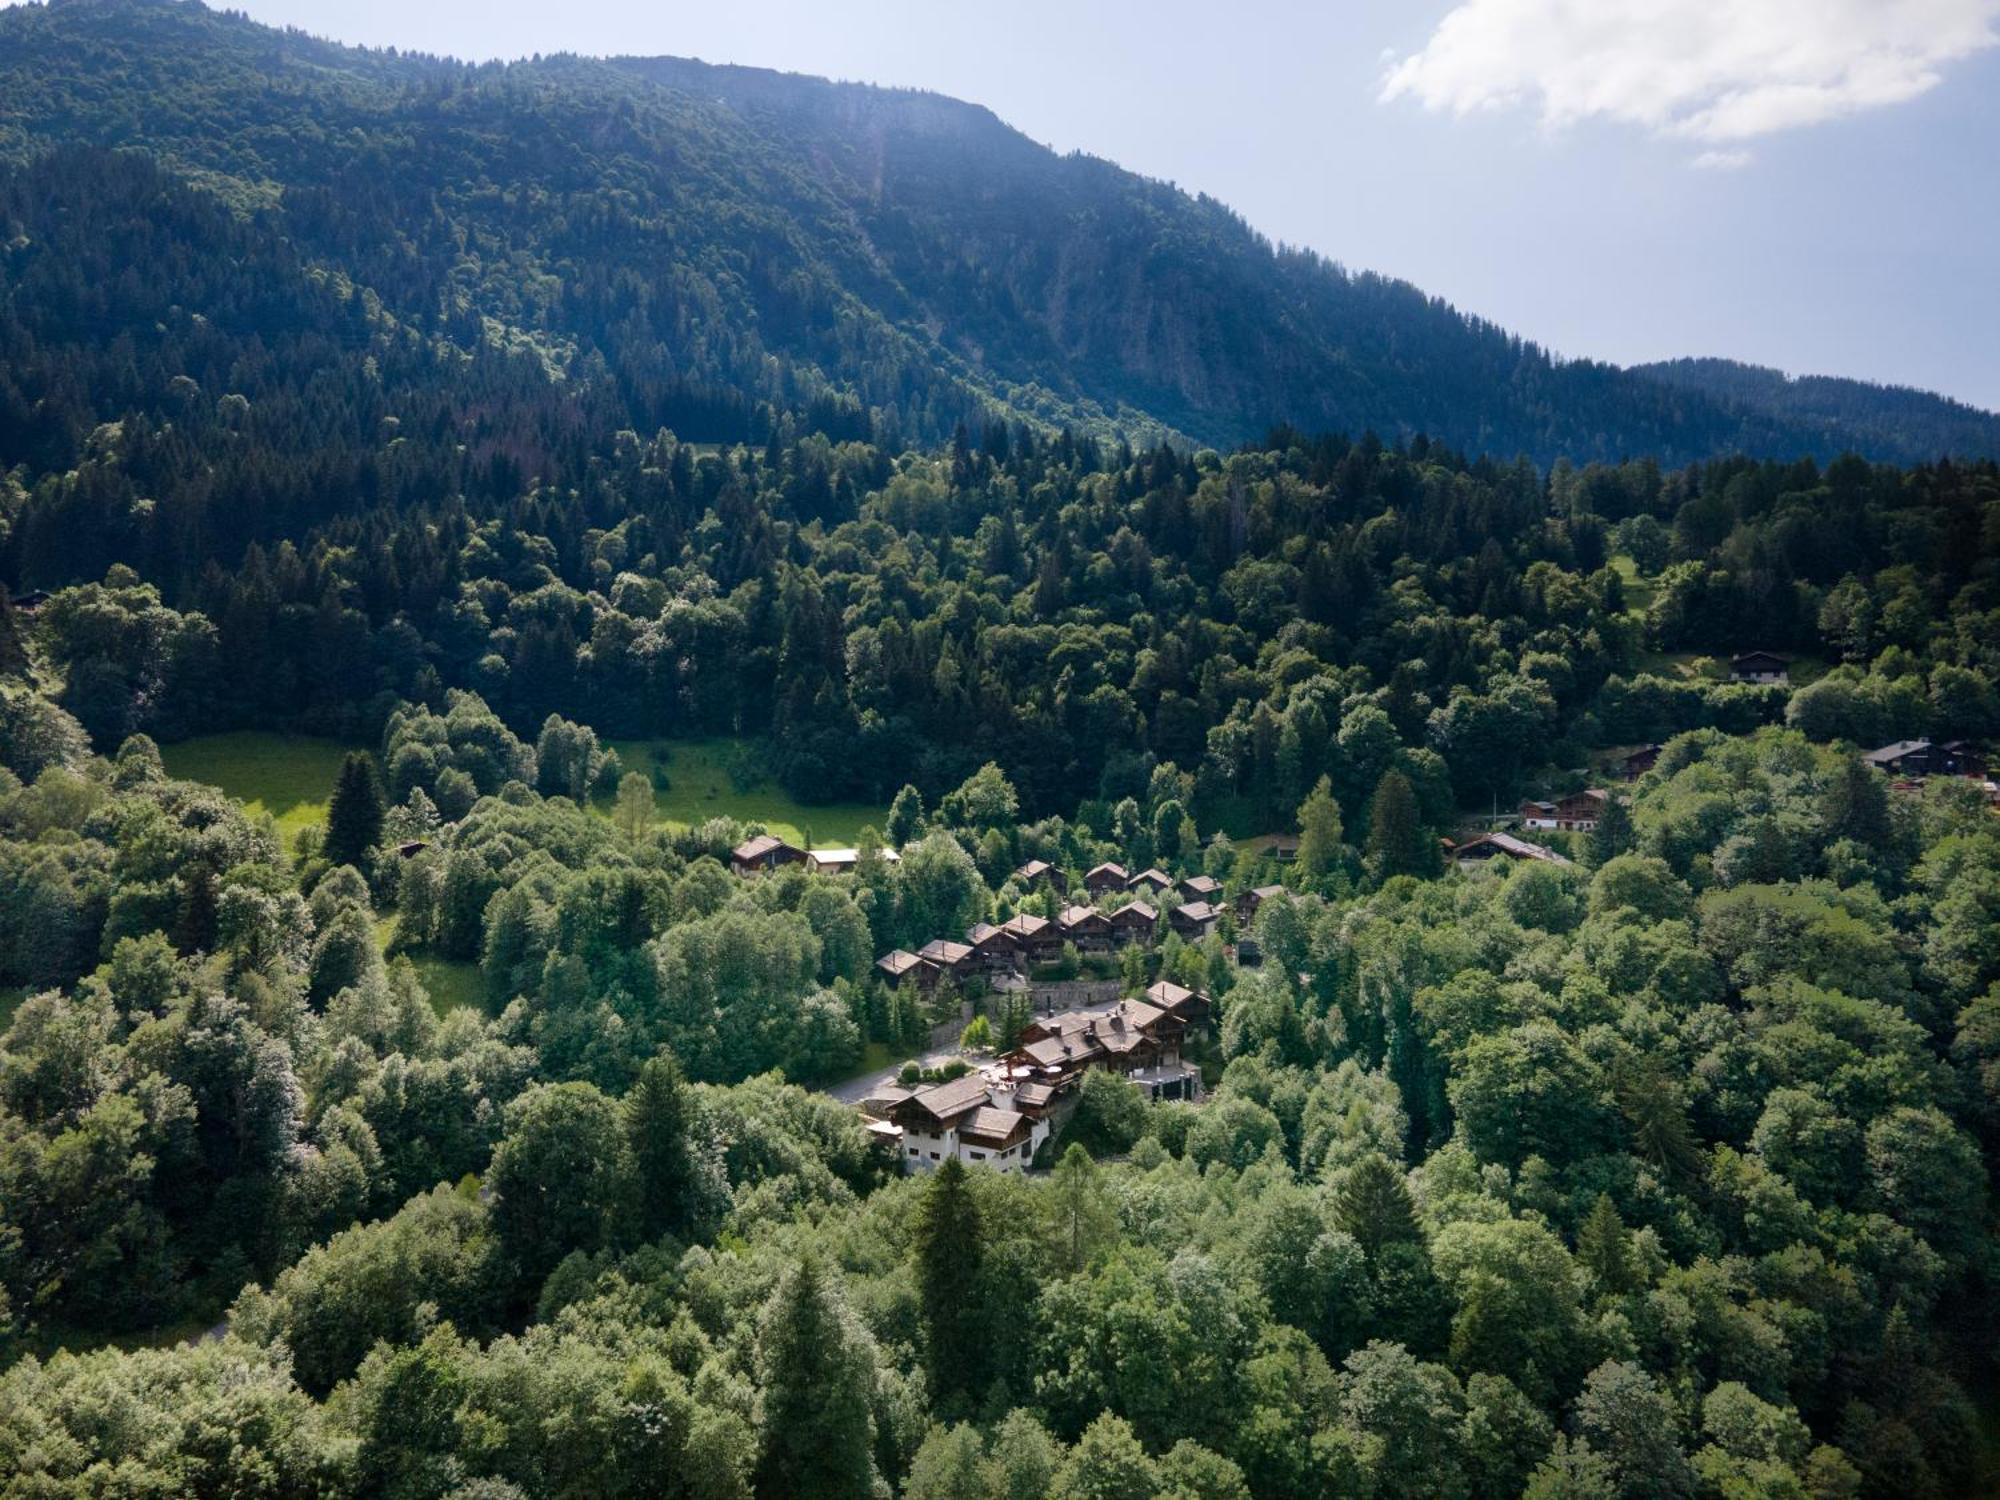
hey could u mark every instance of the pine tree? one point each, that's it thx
(1855, 805)
(633, 813)
(658, 1115)
(816, 1376)
(1613, 834)
(906, 817)
(950, 1254)
(1084, 1217)
(355, 815)
(1395, 837)
(1605, 1248)
(1374, 1205)
(1320, 831)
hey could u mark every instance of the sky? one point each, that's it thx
(1809, 184)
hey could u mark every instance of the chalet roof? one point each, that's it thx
(1889, 754)
(996, 1127)
(898, 962)
(1110, 870)
(1196, 911)
(1135, 911)
(1169, 996)
(1507, 844)
(1266, 892)
(1033, 869)
(945, 951)
(1158, 879)
(758, 847)
(1034, 1095)
(1078, 916)
(947, 1101)
(1201, 885)
(1025, 925)
(1744, 657)
(983, 934)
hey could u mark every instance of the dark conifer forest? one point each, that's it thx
(1428, 918)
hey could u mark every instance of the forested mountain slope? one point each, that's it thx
(1860, 411)
(686, 242)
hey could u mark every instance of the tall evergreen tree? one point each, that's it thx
(355, 815)
(816, 1378)
(1613, 834)
(1395, 836)
(1320, 831)
(906, 817)
(950, 1256)
(1374, 1205)
(1855, 805)
(659, 1114)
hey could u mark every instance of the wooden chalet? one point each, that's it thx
(1638, 762)
(1760, 666)
(1154, 881)
(963, 1119)
(1087, 927)
(994, 950)
(954, 960)
(1036, 939)
(1503, 846)
(1102, 880)
(1195, 920)
(1919, 758)
(1134, 923)
(763, 853)
(1039, 872)
(842, 861)
(1132, 1038)
(1201, 888)
(1577, 812)
(1248, 903)
(1190, 1007)
(899, 967)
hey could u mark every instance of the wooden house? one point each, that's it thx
(1502, 846)
(1190, 1007)
(961, 1119)
(763, 853)
(1919, 758)
(1101, 880)
(1248, 903)
(1154, 882)
(1036, 939)
(1087, 927)
(1039, 872)
(1201, 888)
(994, 949)
(954, 960)
(899, 967)
(1638, 762)
(1132, 1038)
(1134, 923)
(1576, 812)
(1760, 666)
(1195, 920)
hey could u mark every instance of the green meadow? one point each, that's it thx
(699, 787)
(288, 776)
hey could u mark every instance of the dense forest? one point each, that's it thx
(476, 418)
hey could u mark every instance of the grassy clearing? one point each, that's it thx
(288, 776)
(451, 983)
(700, 788)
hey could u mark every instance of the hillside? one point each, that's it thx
(1862, 412)
(682, 244)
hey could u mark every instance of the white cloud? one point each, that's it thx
(1722, 161)
(1714, 71)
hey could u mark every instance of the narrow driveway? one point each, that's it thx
(854, 1090)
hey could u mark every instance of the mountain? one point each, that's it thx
(1869, 416)
(702, 246)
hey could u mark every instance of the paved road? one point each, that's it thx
(854, 1090)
